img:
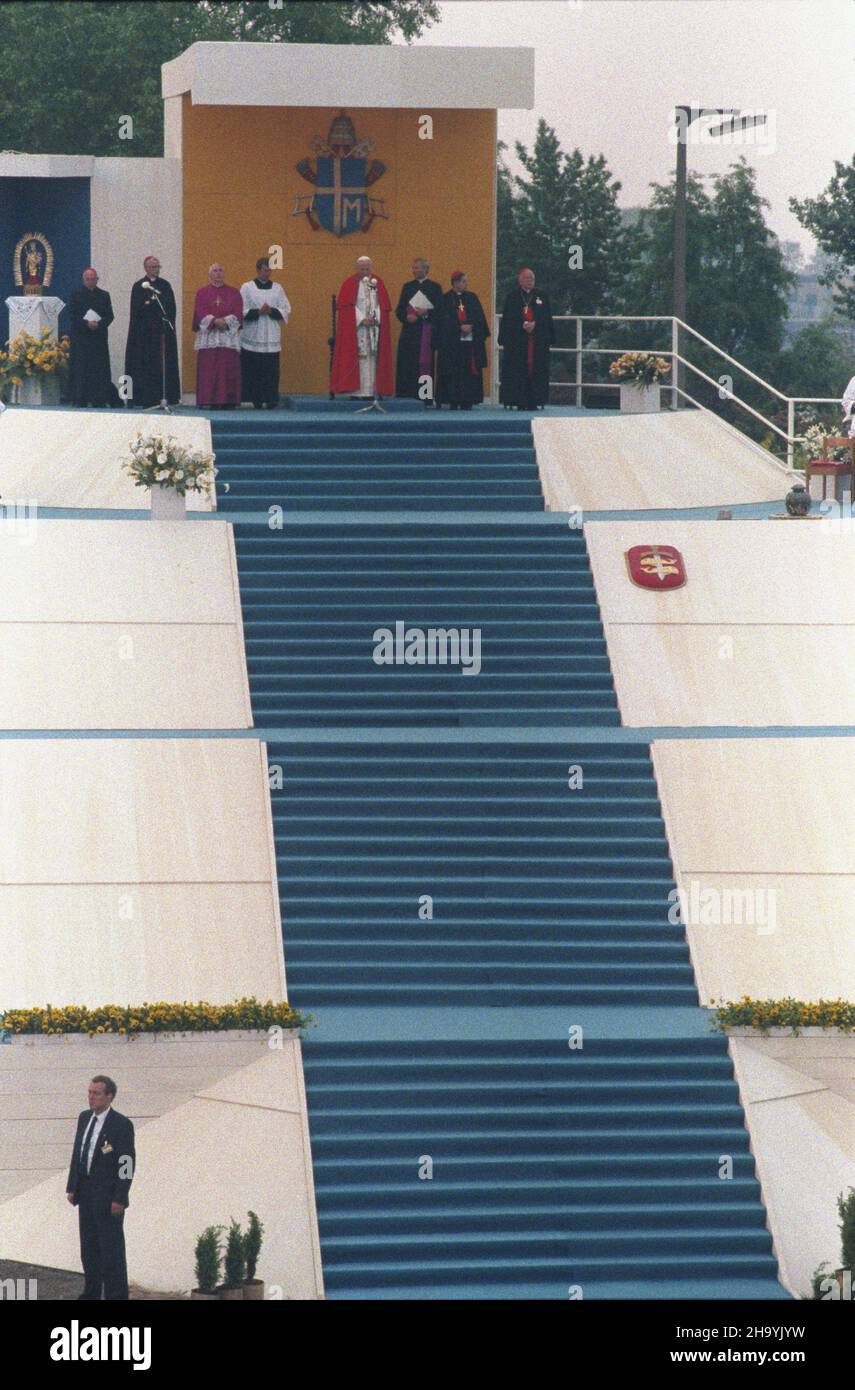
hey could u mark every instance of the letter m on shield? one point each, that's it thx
(340, 197)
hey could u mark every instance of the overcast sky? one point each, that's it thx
(609, 72)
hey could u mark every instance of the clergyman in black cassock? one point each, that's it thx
(89, 367)
(525, 355)
(416, 345)
(149, 338)
(463, 333)
(102, 1168)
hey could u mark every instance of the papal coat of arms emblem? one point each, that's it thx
(341, 174)
(656, 566)
(33, 263)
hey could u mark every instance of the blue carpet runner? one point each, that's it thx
(459, 1164)
(409, 460)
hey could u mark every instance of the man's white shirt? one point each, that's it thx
(262, 334)
(93, 1137)
(849, 405)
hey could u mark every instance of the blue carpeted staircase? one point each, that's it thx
(408, 460)
(314, 595)
(461, 1147)
(551, 1166)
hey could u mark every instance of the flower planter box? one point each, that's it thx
(231, 1295)
(742, 1030)
(254, 1289)
(199, 1296)
(38, 390)
(639, 402)
(144, 1039)
(167, 504)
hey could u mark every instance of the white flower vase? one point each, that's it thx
(638, 402)
(39, 390)
(167, 504)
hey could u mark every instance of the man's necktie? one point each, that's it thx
(87, 1140)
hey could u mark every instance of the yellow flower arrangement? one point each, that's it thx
(131, 1020)
(639, 368)
(795, 1014)
(28, 356)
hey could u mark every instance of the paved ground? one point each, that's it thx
(55, 1284)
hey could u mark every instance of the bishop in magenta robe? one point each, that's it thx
(217, 319)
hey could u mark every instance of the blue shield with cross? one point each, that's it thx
(341, 202)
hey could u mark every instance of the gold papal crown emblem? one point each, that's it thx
(33, 263)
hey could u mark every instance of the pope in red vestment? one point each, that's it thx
(345, 378)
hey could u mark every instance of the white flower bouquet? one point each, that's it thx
(158, 462)
(812, 445)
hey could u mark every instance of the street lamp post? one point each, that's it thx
(684, 116)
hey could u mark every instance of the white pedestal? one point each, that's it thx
(635, 402)
(167, 504)
(38, 390)
(833, 487)
(32, 313)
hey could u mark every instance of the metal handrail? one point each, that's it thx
(789, 435)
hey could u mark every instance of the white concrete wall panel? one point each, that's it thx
(353, 75)
(75, 458)
(178, 810)
(128, 942)
(687, 459)
(760, 572)
(112, 625)
(799, 1099)
(762, 832)
(136, 211)
(762, 633)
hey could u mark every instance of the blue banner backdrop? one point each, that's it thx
(60, 208)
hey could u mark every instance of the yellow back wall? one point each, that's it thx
(240, 186)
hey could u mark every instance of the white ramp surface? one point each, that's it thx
(134, 870)
(74, 458)
(121, 625)
(799, 1100)
(762, 839)
(762, 633)
(686, 458)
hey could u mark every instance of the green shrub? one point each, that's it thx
(252, 1244)
(235, 1262)
(208, 1259)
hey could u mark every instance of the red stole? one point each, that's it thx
(528, 317)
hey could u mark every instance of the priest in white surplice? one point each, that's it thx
(849, 407)
(265, 307)
(362, 357)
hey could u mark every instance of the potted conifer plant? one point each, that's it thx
(234, 1271)
(208, 1261)
(253, 1288)
(846, 1274)
(823, 1282)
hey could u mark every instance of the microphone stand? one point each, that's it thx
(164, 404)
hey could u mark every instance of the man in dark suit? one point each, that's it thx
(99, 1179)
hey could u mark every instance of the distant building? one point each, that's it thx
(810, 301)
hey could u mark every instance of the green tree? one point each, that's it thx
(745, 276)
(69, 72)
(815, 362)
(560, 216)
(831, 219)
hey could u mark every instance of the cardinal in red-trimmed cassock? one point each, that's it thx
(362, 359)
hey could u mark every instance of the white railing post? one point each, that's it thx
(578, 362)
(791, 431)
(675, 349)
